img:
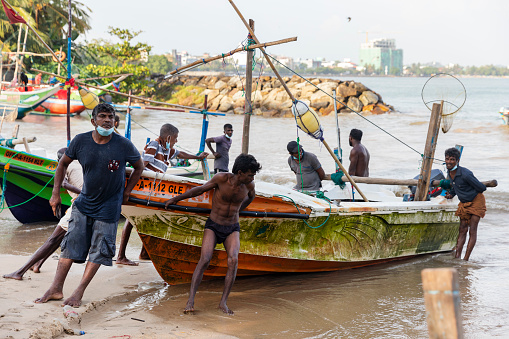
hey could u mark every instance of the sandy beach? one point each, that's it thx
(108, 305)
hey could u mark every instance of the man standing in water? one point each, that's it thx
(472, 206)
(95, 213)
(359, 155)
(223, 144)
(232, 193)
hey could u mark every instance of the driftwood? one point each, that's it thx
(400, 182)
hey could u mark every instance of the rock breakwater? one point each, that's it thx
(226, 94)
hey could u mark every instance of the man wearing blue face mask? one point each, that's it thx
(95, 213)
(223, 144)
(308, 170)
(472, 206)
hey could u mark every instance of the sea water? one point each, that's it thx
(374, 302)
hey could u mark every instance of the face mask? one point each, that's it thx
(226, 135)
(295, 158)
(454, 168)
(104, 132)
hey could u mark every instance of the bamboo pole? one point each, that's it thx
(69, 31)
(429, 152)
(204, 163)
(442, 300)
(28, 53)
(37, 35)
(263, 51)
(119, 93)
(109, 76)
(400, 182)
(293, 98)
(248, 106)
(249, 48)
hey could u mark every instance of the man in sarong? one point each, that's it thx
(472, 206)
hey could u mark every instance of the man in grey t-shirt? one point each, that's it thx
(312, 172)
(223, 144)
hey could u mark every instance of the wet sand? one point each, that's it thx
(103, 312)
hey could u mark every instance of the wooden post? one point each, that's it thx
(248, 106)
(442, 300)
(23, 55)
(25, 142)
(429, 152)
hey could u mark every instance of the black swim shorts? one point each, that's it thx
(222, 232)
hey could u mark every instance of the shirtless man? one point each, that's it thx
(232, 193)
(359, 155)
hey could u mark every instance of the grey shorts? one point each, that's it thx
(87, 236)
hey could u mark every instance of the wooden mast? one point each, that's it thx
(248, 106)
(283, 83)
(421, 192)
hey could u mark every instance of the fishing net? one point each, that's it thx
(447, 89)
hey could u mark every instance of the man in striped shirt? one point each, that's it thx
(156, 157)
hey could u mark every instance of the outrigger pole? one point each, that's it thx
(69, 77)
(294, 100)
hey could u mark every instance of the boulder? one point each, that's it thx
(355, 104)
(317, 105)
(343, 90)
(212, 94)
(368, 98)
(234, 82)
(327, 110)
(360, 87)
(220, 85)
(225, 104)
(238, 110)
(315, 81)
(191, 81)
(266, 78)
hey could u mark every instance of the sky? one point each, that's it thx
(465, 32)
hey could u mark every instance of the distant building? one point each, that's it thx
(382, 55)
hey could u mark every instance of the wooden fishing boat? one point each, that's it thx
(274, 237)
(57, 104)
(27, 101)
(27, 184)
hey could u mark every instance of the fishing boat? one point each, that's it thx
(27, 185)
(504, 113)
(27, 101)
(57, 104)
(278, 233)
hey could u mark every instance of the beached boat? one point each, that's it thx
(57, 104)
(274, 237)
(27, 182)
(504, 113)
(25, 102)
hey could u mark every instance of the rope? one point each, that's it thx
(314, 227)
(344, 105)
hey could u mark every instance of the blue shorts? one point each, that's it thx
(88, 236)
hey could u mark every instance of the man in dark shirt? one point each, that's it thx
(308, 170)
(223, 144)
(359, 155)
(95, 213)
(472, 206)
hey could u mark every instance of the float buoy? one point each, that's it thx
(60, 55)
(307, 119)
(89, 99)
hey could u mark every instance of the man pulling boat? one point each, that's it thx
(233, 192)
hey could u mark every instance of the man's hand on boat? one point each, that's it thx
(203, 155)
(172, 201)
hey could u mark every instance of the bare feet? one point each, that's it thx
(49, 295)
(13, 275)
(225, 309)
(143, 254)
(36, 268)
(125, 261)
(189, 308)
(74, 300)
